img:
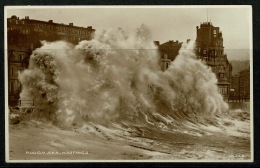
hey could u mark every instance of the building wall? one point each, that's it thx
(168, 52)
(245, 84)
(241, 86)
(234, 92)
(17, 62)
(210, 49)
(170, 48)
(165, 62)
(24, 35)
(33, 31)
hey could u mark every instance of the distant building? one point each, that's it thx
(244, 84)
(18, 60)
(24, 35)
(33, 31)
(209, 48)
(234, 91)
(241, 86)
(168, 52)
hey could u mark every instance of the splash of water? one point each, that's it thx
(116, 77)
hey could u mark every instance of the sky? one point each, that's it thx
(165, 22)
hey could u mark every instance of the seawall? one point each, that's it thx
(239, 105)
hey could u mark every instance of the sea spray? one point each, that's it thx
(116, 77)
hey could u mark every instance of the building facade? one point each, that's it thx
(210, 49)
(18, 60)
(24, 35)
(32, 31)
(168, 52)
(241, 86)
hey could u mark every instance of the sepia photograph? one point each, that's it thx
(129, 83)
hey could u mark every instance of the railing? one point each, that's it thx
(238, 99)
(26, 102)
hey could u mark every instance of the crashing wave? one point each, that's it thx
(116, 78)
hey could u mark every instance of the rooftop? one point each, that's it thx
(171, 43)
(50, 22)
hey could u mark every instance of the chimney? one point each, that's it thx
(50, 21)
(71, 24)
(157, 43)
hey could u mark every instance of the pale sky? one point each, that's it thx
(165, 23)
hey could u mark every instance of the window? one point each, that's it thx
(199, 50)
(167, 65)
(19, 86)
(12, 71)
(12, 86)
(214, 32)
(204, 52)
(223, 90)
